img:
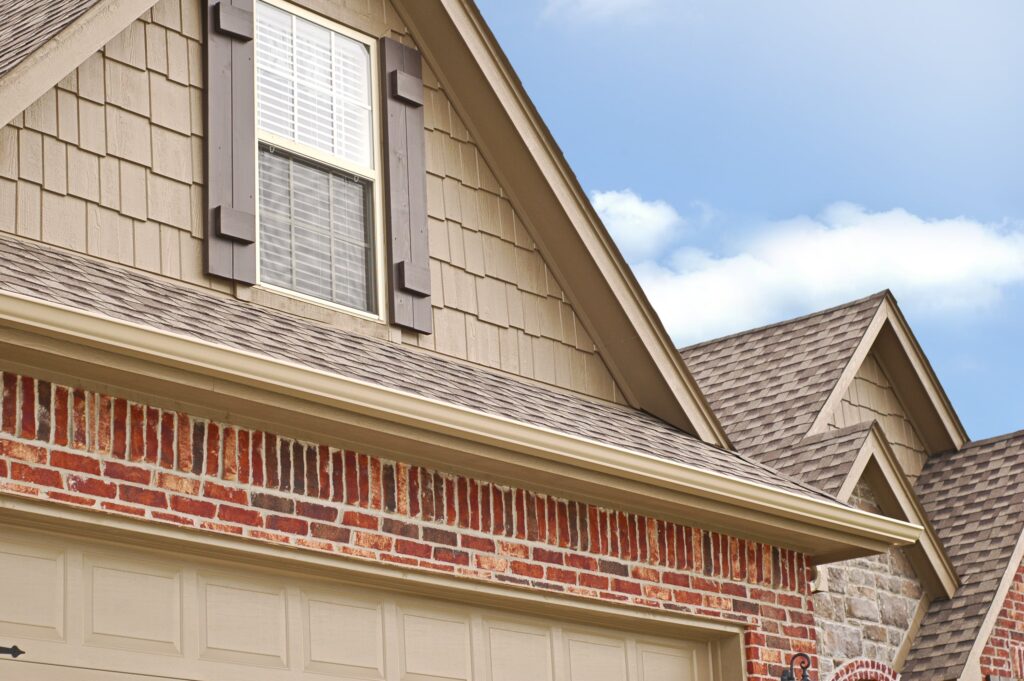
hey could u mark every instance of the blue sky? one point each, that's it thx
(759, 160)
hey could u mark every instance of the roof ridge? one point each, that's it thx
(993, 439)
(758, 329)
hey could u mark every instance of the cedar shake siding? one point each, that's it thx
(871, 397)
(110, 163)
(467, 446)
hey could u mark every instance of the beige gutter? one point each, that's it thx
(824, 529)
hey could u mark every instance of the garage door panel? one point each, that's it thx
(344, 637)
(32, 591)
(79, 606)
(595, 658)
(242, 621)
(661, 663)
(518, 652)
(435, 645)
(132, 605)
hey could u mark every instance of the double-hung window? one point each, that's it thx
(317, 162)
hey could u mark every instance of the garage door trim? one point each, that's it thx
(30, 514)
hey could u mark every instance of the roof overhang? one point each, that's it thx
(520, 149)
(139, 362)
(918, 388)
(56, 58)
(877, 465)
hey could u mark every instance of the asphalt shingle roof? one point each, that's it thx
(823, 460)
(42, 272)
(27, 24)
(767, 385)
(975, 500)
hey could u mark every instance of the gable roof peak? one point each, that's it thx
(768, 385)
(511, 135)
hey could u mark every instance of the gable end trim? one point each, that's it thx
(890, 328)
(62, 54)
(928, 556)
(602, 289)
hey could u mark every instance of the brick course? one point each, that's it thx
(105, 453)
(1003, 655)
(865, 670)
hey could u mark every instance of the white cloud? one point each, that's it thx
(596, 9)
(804, 264)
(642, 229)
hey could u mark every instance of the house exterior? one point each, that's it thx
(844, 400)
(316, 362)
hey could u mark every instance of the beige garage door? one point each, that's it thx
(91, 612)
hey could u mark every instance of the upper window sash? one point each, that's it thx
(314, 89)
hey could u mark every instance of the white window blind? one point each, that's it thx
(314, 85)
(316, 160)
(314, 236)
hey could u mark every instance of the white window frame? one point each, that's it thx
(374, 175)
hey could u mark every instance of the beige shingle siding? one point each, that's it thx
(106, 162)
(871, 397)
(496, 301)
(110, 162)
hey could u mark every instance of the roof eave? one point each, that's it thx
(272, 392)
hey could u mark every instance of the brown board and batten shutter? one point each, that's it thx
(406, 187)
(230, 141)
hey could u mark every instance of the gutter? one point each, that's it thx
(824, 529)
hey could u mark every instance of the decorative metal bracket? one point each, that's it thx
(13, 651)
(790, 674)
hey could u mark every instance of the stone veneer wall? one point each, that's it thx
(869, 604)
(1003, 655)
(71, 446)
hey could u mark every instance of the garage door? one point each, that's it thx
(83, 610)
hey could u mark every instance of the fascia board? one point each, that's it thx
(825, 529)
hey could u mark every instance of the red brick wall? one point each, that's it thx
(77, 447)
(1003, 655)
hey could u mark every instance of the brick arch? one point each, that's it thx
(865, 670)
